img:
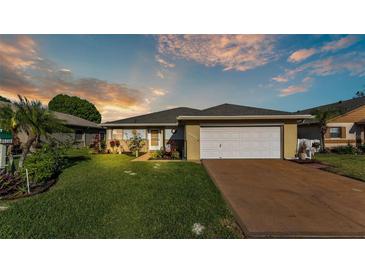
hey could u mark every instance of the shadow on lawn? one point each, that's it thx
(71, 160)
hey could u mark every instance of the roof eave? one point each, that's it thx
(248, 117)
(138, 124)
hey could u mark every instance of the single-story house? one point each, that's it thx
(347, 126)
(82, 134)
(223, 131)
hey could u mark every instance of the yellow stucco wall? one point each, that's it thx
(290, 139)
(192, 135)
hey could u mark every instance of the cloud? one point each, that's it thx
(159, 91)
(293, 89)
(163, 62)
(332, 46)
(280, 79)
(65, 70)
(340, 44)
(160, 74)
(24, 71)
(352, 63)
(232, 52)
(301, 55)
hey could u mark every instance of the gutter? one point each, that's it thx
(248, 117)
(140, 125)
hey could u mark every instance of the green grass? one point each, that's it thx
(348, 165)
(95, 198)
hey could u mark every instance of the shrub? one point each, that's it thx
(157, 154)
(154, 155)
(11, 185)
(117, 143)
(175, 155)
(361, 148)
(102, 145)
(44, 164)
(349, 149)
(135, 143)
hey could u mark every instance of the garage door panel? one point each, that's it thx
(240, 142)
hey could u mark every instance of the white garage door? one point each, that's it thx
(240, 142)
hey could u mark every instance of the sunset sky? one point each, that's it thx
(125, 75)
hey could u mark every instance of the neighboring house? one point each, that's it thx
(345, 128)
(223, 131)
(82, 133)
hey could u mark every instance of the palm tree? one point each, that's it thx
(10, 121)
(322, 116)
(37, 122)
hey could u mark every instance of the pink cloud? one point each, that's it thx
(293, 89)
(340, 44)
(24, 71)
(280, 79)
(301, 55)
(232, 52)
(352, 63)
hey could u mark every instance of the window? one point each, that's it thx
(128, 133)
(335, 132)
(79, 135)
(168, 133)
(117, 134)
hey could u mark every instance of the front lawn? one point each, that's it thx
(108, 196)
(348, 165)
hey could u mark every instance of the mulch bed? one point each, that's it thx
(33, 190)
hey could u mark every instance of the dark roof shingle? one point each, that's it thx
(164, 116)
(341, 107)
(170, 115)
(236, 110)
(72, 120)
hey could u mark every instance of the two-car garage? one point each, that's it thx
(241, 142)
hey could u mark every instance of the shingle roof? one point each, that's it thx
(341, 106)
(236, 110)
(170, 115)
(164, 116)
(71, 120)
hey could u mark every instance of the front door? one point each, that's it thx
(154, 139)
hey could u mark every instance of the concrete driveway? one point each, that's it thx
(277, 198)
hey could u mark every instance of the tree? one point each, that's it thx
(37, 121)
(11, 121)
(135, 143)
(359, 93)
(3, 99)
(75, 106)
(322, 116)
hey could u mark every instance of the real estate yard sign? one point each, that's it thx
(5, 139)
